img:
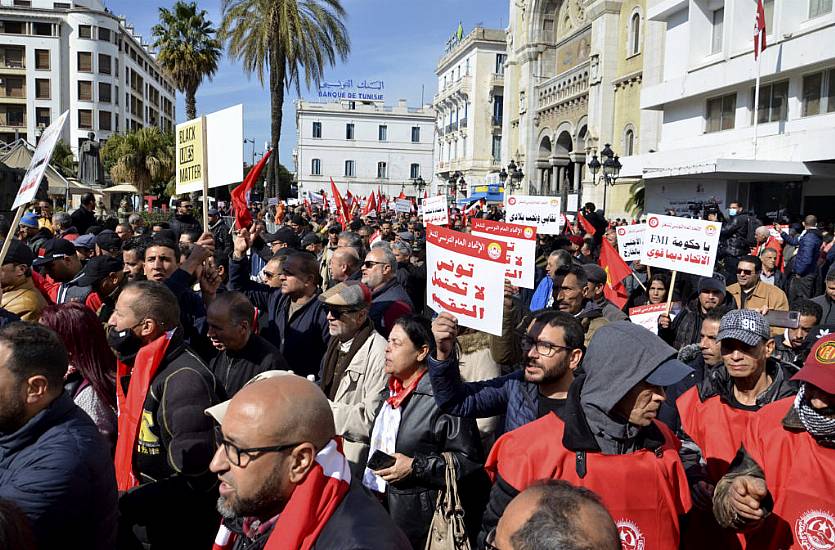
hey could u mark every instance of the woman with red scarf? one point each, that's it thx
(412, 429)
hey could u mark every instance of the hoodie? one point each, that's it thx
(609, 374)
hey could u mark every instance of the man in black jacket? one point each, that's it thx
(389, 300)
(736, 238)
(220, 231)
(54, 464)
(299, 469)
(684, 329)
(83, 217)
(171, 503)
(184, 220)
(243, 354)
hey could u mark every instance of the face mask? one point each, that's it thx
(732, 211)
(124, 342)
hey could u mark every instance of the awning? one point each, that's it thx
(489, 197)
(652, 166)
(20, 156)
(121, 188)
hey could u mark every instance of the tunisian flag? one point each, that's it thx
(243, 218)
(616, 272)
(341, 207)
(310, 507)
(590, 229)
(759, 29)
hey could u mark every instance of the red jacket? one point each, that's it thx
(799, 475)
(645, 491)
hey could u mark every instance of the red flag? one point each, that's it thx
(243, 218)
(341, 209)
(616, 272)
(370, 204)
(586, 224)
(402, 195)
(759, 29)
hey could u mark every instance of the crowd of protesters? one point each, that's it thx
(170, 385)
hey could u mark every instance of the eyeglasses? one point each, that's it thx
(337, 312)
(490, 540)
(368, 264)
(269, 275)
(545, 349)
(744, 272)
(242, 457)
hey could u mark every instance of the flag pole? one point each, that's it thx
(757, 102)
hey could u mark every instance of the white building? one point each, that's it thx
(76, 55)
(470, 105)
(363, 146)
(698, 107)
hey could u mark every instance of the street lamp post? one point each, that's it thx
(419, 184)
(515, 176)
(610, 170)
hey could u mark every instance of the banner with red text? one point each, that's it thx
(465, 277)
(521, 248)
(681, 244)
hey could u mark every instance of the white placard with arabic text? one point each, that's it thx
(40, 160)
(540, 211)
(465, 277)
(681, 244)
(647, 316)
(521, 248)
(403, 205)
(630, 239)
(435, 210)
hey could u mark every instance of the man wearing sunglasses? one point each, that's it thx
(750, 292)
(353, 378)
(390, 301)
(284, 482)
(183, 220)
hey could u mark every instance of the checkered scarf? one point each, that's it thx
(818, 425)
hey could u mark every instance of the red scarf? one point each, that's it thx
(145, 367)
(399, 392)
(311, 505)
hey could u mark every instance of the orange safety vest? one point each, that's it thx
(645, 491)
(800, 475)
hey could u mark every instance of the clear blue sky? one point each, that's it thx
(396, 41)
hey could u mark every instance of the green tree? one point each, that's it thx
(293, 40)
(64, 161)
(188, 49)
(144, 158)
(635, 202)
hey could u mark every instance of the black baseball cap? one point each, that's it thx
(108, 240)
(98, 268)
(19, 253)
(54, 249)
(284, 235)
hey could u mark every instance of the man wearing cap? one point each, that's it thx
(108, 243)
(684, 329)
(596, 285)
(19, 293)
(610, 441)
(283, 238)
(243, 354)
(220, 231)
(297, 491)
(62, 264)
(85, 247)
(353, 378)
(779, 489)
(183, 219)
(714, 413)
(32, 233)
(106, 276)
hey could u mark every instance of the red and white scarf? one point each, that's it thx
(130, 406)
(310, 507)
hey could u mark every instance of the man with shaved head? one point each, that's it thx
(555, 514)
(344, 265)
(283, 476)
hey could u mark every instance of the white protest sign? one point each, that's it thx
(465, 277)
(222, 151)
(647, 316)
(681, 244)
(540, 211)
(573, 203)
(403, 205)
(40, 160)
(435, 210)
(630, 239)
(521, 248)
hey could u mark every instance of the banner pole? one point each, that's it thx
(637, 280)
(670, 294)
(7, 242)
(205, 173)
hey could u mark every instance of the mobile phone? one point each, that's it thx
(783, 319)
(380, 460)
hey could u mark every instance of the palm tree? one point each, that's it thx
(188, 49)
(637, 195)
(63, 160)
(293, 40)
(144, 158)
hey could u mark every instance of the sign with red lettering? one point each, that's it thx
(647, 316)
(40, 160)
(465, 277)
(435, 210)
(680, 244)
(521, 248)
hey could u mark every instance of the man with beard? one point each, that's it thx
(778, 491)
(54, 464)
(60, 261)
(243, 354)
(553, 348)
(353, 377)
(790, 346)
(684, 329)
(165, 444)
(184, 219)
(283, 481)
(133, 256)
(106, 276)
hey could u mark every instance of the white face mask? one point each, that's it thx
(732, 211)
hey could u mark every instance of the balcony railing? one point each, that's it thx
(497, 120)
(461, 86)
(11, 62)
(565, 87)
(13, 120)
(497, 79)
(462, 123)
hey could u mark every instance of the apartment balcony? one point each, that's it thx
(497, 121)
(455, 89)
(12, 119)
(497, 80)
(565, 89)
(462, 124)
(13, 60)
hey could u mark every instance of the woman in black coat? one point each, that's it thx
(412, 429)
